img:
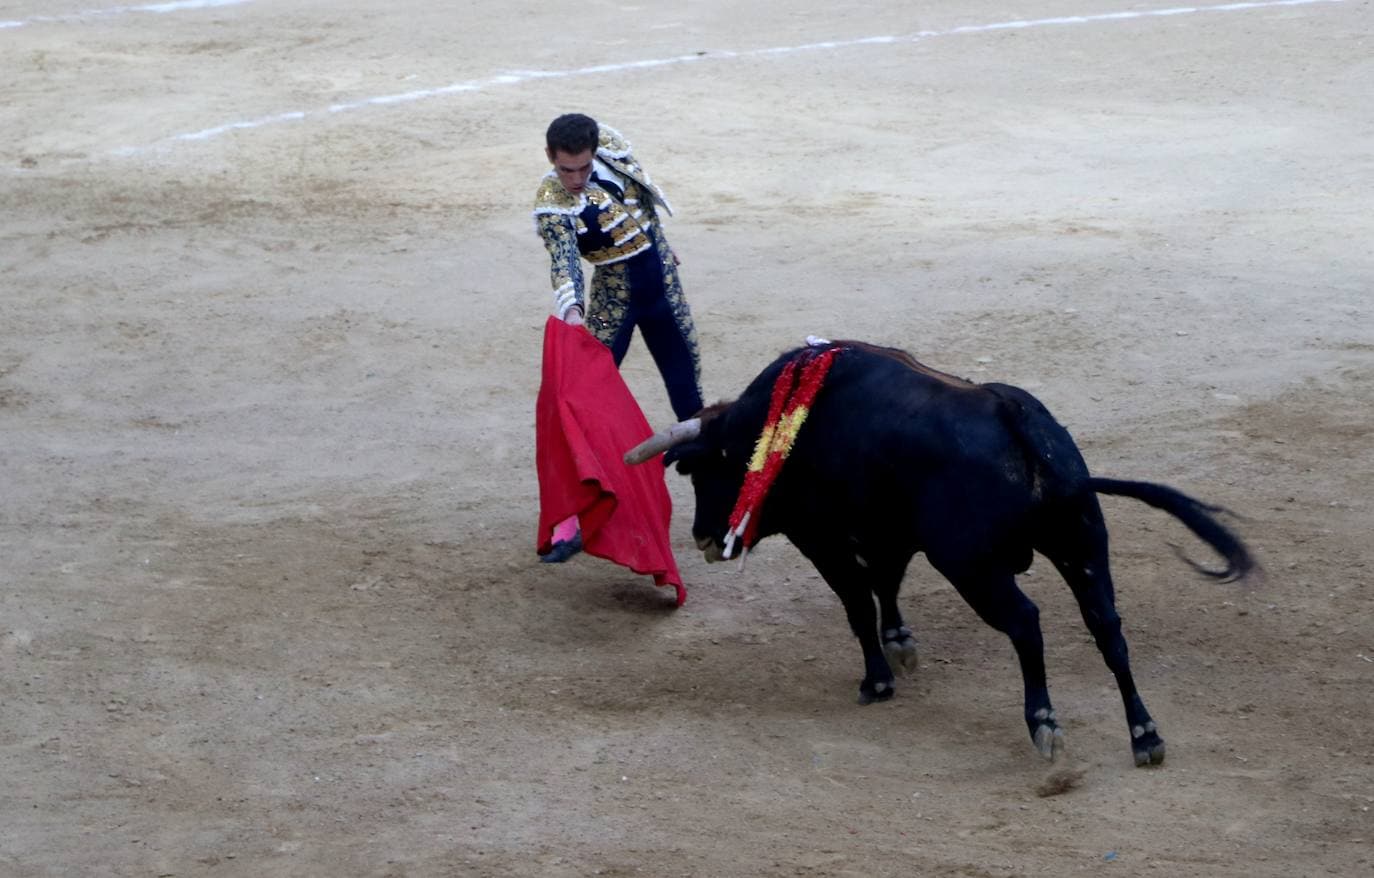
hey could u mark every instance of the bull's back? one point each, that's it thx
(882, 426)
(892, 426)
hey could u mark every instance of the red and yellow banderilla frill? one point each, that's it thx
(793, 393)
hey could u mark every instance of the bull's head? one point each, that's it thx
(699, 450)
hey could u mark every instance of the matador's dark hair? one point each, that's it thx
(573, 133)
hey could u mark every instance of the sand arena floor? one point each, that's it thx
(270, 316)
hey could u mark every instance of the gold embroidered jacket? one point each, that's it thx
(596, 224)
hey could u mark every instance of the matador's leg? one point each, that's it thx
(682, 314)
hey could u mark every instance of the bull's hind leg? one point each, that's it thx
(1092, 586)
(1084, 567)
(996, 598)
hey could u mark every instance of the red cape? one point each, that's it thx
(585, 420)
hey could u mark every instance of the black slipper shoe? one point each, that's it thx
(563, 550)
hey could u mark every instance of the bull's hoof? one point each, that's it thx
(1146, 745)
(1046, 734)
(1049, 740)
(899, 647)
(871, 692)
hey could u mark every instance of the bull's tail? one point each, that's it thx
(1193, 513)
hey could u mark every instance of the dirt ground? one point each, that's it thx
(270, 318)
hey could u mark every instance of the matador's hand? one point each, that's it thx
(573, 317)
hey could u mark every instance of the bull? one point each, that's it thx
(896, 458)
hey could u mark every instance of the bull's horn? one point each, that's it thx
(663, 440)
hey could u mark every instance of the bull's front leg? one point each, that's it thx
(877, 684)
(899, 642)
(850, 583)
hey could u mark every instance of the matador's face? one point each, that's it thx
(573, 169)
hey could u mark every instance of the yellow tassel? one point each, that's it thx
(787, 430)
(761, 449)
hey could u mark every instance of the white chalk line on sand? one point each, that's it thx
(517, 77)
(160, 8)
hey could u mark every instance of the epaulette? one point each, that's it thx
(553, 198)
(612, 144)
(614, 150)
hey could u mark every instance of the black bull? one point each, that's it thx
(896, 458)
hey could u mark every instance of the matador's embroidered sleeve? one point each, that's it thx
(565, 271)
(555, 218)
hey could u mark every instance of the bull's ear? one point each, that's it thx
(685, 455)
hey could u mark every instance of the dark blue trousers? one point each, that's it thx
(663, 336)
